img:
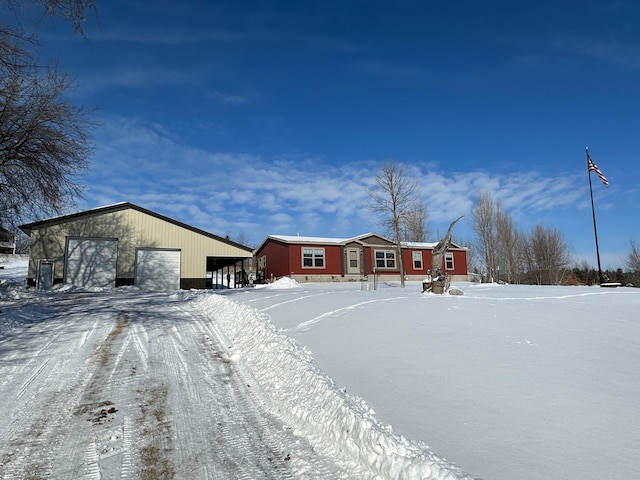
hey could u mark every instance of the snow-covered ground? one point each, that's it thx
(507, 382)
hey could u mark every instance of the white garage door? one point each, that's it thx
(91, 262)
(157, 269)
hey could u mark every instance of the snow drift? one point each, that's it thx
(309, 401)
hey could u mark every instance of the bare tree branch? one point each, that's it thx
(549, 255)
(633, 257)
(415, 226)
(44, 138)
(483, 222)
(72, 11)
(394, 199)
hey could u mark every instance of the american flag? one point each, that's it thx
(594, 167)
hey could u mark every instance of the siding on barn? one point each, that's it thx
(132, 228)
(91, 262)
(155, 232)
(157, 269)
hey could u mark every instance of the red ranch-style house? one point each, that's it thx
(316, 259)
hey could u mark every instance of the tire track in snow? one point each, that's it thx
(308, 324)
(293, 300)
(218, 417)
(301, 459)
(81, 445)
(41, 413)
(156, 395)
(113, 397)
(33, 376)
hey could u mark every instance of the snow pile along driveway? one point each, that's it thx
(337, 424)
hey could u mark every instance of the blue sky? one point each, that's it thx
(274, 117)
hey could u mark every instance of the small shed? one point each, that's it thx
(125, 244)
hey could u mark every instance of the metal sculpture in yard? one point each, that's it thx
(440, 282)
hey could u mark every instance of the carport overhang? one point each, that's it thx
(220, 270)
(219, 263)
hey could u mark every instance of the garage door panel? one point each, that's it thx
(91, 262)
(157, 269)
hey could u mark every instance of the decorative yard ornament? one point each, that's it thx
(440, 282)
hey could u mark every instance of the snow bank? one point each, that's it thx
(305, 398)
(12, 317)
(12, 290)
(283, 283)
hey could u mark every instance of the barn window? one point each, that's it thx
(448, 261)
(417, 260)
(385, 258)
(313, 257)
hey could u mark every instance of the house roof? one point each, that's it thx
(302, 240)
(419, 244)
(298, 239)
(431, 245)
(125, 206)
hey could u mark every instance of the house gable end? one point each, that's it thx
(376, 240)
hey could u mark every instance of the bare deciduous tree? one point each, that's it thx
(44, 140)
(510, 247)
(474, 266)
(548, 255)
(632, 262)
(483, 222)
(633, 258)
(415, 227)
(394, 200)
(499, 242)
(72, 11)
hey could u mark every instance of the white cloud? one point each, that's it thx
(231, 191)
(230, 98)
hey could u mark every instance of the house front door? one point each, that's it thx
(353, 261)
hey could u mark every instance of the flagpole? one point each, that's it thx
(593, 214)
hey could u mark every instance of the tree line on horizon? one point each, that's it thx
(541, 256)
(500, 251)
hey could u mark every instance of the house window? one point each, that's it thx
(448, 261)
(417, 260)
(353, 258)
(385, 258)
(313, 257)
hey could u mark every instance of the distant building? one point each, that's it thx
(124, 244)
(317, 259)
(7, 241)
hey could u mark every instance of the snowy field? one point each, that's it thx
(305, 381)
(509, 382)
